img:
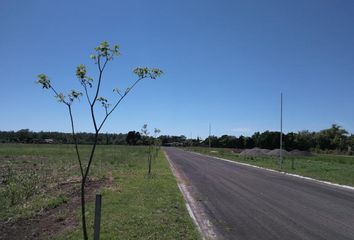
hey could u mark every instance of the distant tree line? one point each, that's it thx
(334, 138)
(136, 138)
(27, 136)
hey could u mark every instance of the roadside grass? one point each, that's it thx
(327, 167)
(142, 206)
(135, 205)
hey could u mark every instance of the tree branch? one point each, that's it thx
(87, 95)
(57, 94)
(91, 157)
(119, 101)
(104, 65)
(92, 104)
(93, 117)
(75, 140)
(99, 78)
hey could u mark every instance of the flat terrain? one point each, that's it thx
(39, 196)
(249, 203)
(327, 167)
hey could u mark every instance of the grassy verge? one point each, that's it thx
(134, 207)
(143, 207)
(327, 167)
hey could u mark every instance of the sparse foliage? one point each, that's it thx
(153, 144)
(18, 187)
(104, 53)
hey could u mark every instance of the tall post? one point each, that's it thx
(209, 135)
(281, 132)
(191, 140)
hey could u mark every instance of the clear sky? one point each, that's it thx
(225, 63)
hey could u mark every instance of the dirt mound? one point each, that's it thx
(299, 153)
(255, 152)
(276, 153)
(259, 152)
(237, 150)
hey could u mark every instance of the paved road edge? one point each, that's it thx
(284, 173)
(196, 213)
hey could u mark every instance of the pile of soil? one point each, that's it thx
(255, 152)
(276, 153)
(259, 152)
(237, 150)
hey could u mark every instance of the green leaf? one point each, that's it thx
(155, 73)
(74, 95)
(81, 71)
(102, 99)
(141, 72)
(60, 97)
(44, 81)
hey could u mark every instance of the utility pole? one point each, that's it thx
(191, 140)
(281, 132)
(209, 135)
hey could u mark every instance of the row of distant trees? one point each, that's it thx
(333, 138)
(136, 138)
(130, 138)
(27, 136)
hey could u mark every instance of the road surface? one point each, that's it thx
(248, 203)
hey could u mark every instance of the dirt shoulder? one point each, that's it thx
(55, 221)
(195, 208)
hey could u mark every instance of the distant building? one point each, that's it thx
(48, 140)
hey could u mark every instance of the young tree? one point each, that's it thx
(104, 53)
(157, 142)
(153, 144)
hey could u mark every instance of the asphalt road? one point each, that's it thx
(248, 203)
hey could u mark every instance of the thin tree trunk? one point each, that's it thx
(84, 178)
(83, 203)
(149, 164)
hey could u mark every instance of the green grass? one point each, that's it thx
(327, 167)
(31, 176)
(136, 206)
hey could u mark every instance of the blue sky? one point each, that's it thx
(225, 63)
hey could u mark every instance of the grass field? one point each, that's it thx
(327, 167)
(135, 206)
